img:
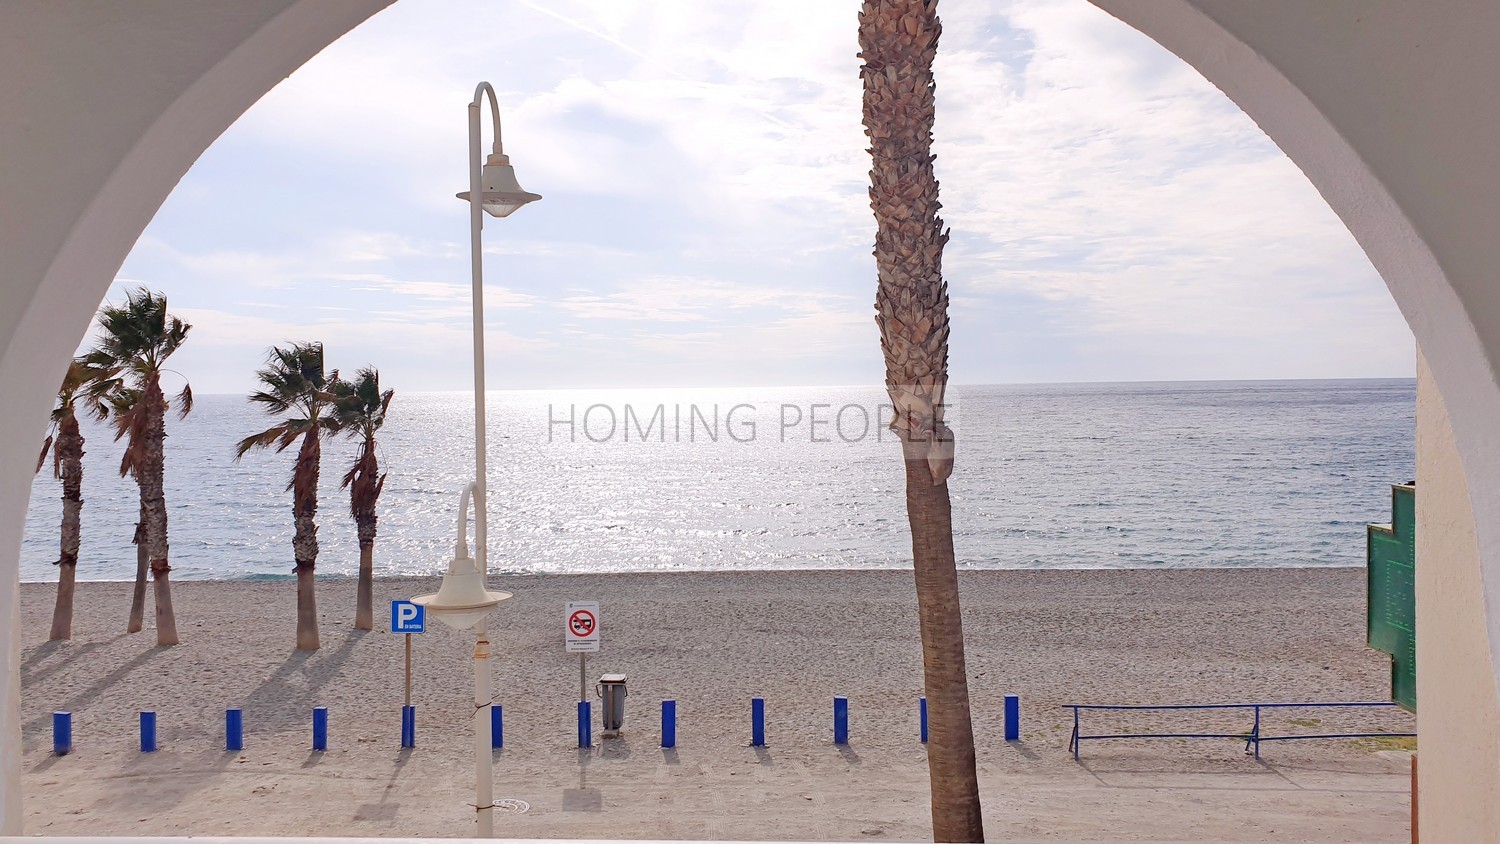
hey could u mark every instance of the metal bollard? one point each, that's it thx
(840, 720)
(148, 731)
(669, 723)
(585, 724)
(497, 727)
(1012, 718)
(922, 707)
(758, 721)
(62, 733)
(234, 729)
(408, 726)
(320, 728)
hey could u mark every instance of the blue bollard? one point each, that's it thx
(585, 724)
(497, 727)
(320, 728)
(758, 721)
(1012, 718)
(234, 729)
(148, 731)
(62, 733)
(923, 708)
(408, 726)
(669, 723)
(840, 720)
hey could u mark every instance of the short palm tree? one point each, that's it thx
(294, 386)
(898, 40)
(361, 410)
(135, 340)
(66, 443)
(115, 403)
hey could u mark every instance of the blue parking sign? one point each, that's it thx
(407, 617)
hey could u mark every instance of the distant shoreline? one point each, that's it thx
(336, 577)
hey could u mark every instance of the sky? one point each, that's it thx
(705, 220)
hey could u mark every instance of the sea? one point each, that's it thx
(1109, 475)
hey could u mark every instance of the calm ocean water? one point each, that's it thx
(1049, 476)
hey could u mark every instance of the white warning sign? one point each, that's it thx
(582, 634)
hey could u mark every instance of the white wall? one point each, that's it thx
(1458, 710)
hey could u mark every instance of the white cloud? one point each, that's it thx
(677, 299)
(705, 179)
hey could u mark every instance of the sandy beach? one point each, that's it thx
(711, 642)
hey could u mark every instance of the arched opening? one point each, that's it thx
(1415, 306)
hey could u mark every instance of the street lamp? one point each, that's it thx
(463, 601)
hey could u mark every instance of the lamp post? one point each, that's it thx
(463, 600)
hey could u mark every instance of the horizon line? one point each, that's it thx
(951, 384)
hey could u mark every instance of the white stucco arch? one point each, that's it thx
(103, 108)
(1384, 104)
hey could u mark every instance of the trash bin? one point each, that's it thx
(612, 693)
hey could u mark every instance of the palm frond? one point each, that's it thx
(42, 458)
(129, 421)
(304, 482)
(97, 392)
(136, 336)
(361, 407)
(185, 401)
(271, 403)
(294, 429)
(264, 439)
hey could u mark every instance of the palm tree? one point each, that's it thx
(135, 340)
(67, 465)
(897, 40)
(360, 411)
(115, 402)
(295, 384)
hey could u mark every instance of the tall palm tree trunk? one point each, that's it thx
(307, 610)
(62, 611)
(950, 743)
(898, 41)
(142, 567)
(364, 610)
(305, 538)
(365, 493)
(152, 478)
(70, 461)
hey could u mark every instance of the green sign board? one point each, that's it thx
(1390, 610)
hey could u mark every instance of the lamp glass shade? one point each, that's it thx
(463, 600)
(500, 194)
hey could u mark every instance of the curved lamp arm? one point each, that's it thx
(461, 548)
(479, 92)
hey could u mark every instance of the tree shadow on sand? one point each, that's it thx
(89, 694)
(272, 706)
(32, 670)
(278, 704)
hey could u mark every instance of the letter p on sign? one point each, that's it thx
(407, 617)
